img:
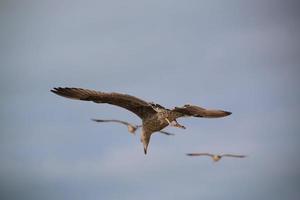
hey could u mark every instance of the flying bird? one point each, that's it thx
(131, 127)
(216, 157)
(154, 116)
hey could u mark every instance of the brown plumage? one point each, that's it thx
(216, 157)
(154, 116)
(131, 127)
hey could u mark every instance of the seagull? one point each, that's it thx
(154, 116)
(131, 127)
(216, 157)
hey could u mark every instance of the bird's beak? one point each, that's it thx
(145, 148)
(145, 139)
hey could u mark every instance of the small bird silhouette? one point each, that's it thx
(131, 127)
(216, 157)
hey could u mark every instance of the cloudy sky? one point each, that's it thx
(233, 55)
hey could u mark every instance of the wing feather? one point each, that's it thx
(114, 120)
(233, 155)
(131, 103)
(200, 154)
(196, 111)
(166, 133)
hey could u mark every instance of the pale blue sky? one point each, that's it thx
(233, 55)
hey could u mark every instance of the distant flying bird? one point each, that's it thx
(216, 157)
(131, 127)
(154, 116)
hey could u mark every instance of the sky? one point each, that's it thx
(240, 56)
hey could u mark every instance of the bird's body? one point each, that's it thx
(154, 116)
(131, 129)
(156, 122)
(216, 157)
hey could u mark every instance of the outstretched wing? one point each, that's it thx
(196, 111)
(139, 107)
(233, 155)
(200, 154)
(128, 124)
(113, 120)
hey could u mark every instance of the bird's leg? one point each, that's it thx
(174, 123)
(168, 121)
(178, 125)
